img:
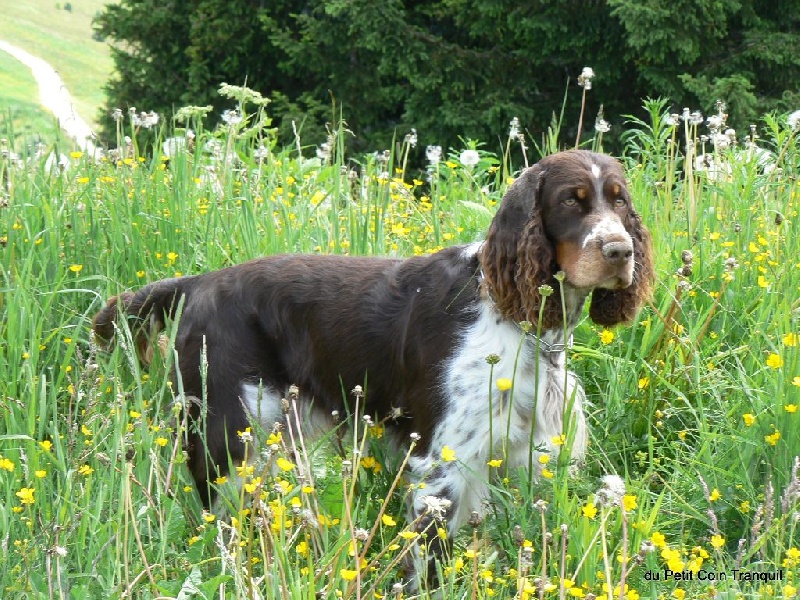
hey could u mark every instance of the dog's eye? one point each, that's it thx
(619, 202)
(570, 201)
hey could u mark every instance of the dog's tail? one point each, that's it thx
(146, 310)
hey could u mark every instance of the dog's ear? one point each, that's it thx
(611, 307)
(517, 258)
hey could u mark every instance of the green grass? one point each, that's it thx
(64, 39)
(21, 116)
(693, 405)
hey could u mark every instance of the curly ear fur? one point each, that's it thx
(517, 258)
(611, 307)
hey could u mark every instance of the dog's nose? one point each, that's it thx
(617, 252)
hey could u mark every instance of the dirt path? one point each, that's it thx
(54, 96)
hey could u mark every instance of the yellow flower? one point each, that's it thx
(790, 408)
(745, 506)
(46, 445)
(347, 574)
(6, 464)
(302, 548)
(495, 463)
(284, 465)
(448, 454)
(40, 473)
(796, 381)
(606, 337)
(76, 268)
(558, 440)
(762, 282)
(388, 521)
(274, 438)
(774, 361)
(644, 382)
(629, 502)
(589, 510)
(85, 470)
(658, 539)
(791, 339)
(715, 495)
(134, 414)
(25, 495)
(789, 591)
(773, 438)
(504, 384)
(544, 459)
(408, 535)
(717, 541)
(161, 441)
(749, 419)
(678, 594)
(209, 517)
(220, 480)
(547, 473)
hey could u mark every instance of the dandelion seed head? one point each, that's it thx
(793, 121)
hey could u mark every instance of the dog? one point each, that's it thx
(416, 333)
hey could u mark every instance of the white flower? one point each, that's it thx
(469, 158)
(601, 125)
(231, 117)
(435, 506)
(612, 491)
(585, 78)
(172, 146)
(513, 131)
(411, 138)
(793, 121)
(433, 154)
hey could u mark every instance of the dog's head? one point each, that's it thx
(570, 212)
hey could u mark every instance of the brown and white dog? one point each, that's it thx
(418, 331)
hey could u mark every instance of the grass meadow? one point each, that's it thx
(694, 406)
(61, 37)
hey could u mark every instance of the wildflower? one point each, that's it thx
(589, 510)
(558, 440)
(612, 491)
(85, 470)
(629, 502)
(76, 268)
(796, 381)
(495, 463)
(284, 465)
(606, 337)
(25, 495)
(644, 382)
(789, 591)
(790, 408)
(231, 117)
(274, 438)
(209, 517)
(6, 464)
(408, 535)
(585, 78)
(246, 436)
(469, 158)
(715, 495)
(793, 121)
(773, 438)
(601, 125)
(717, 541)
(433, 154)
(161, 441)
(388, 521)
(547, 473)
(504, 384)
(744, 506)
(448, 454)
(749, 419)
(678, 594)
(791, 339)
(347, 574)
(774, 361)
(437, 507)
(411, 138)
(513, 130)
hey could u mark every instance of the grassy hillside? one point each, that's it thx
(694, 405)
(62, 38)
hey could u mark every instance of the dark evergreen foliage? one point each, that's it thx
(452, 68)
